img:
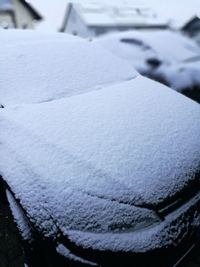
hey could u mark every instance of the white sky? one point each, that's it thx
(177, 10)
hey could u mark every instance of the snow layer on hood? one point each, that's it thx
(47, 70)
(77, 163)
(136, 142)
(169, 232)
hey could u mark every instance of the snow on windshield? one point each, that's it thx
(44, 71)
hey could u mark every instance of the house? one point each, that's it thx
(17, 14)
(192, 28)
(90, 20)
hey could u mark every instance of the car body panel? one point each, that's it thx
(99, 152)
(97, 148)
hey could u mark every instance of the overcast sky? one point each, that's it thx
(53, 11)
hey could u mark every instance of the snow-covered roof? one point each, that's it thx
(115, 15)
(9, 5)
(46, 72)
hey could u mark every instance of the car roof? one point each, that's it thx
(37, 69)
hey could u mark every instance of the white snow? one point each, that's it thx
(78, 162)
(136, 55)
(180, 76)
(17, 36)
(115, 15)
(181, 48)
(72, 161)
(171, 231)
(43, 69)
(180, 60)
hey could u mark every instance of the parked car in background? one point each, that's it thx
(165, 56)
(99, 164)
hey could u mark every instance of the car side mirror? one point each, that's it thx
(154, 62)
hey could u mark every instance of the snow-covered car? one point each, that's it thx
(166, 56)
(99, 164)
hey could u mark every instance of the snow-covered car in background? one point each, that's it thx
(98, 163)
(166, 56)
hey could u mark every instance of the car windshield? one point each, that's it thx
(136, 42)
(36, 72)
(181, 48)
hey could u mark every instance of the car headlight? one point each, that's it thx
(106, 216)
(141, 219)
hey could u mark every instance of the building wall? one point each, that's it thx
(197, 38)
(104, 30)
(24, 19)
(6, 20)
(76, 26)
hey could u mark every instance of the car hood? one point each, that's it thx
(136, 142)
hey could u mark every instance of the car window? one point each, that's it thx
(135, 42)
(131, 41)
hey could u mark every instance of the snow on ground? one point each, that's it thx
(72, 161)
(36, 72)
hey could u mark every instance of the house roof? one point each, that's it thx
(8, 5)
(32, 10)
(192, 25)
(115, 15)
